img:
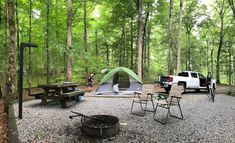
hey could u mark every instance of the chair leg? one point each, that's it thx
(147, 106)
(153, 105)
(137, 113)
(142, 106)
(182, 117)
(168, 112)
(180, 113)
(132, 106)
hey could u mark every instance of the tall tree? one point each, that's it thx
(85, 36)
(69, 41)
(144, 49)
(47, 42)
(4, 47)
(190, 20)
(221, 11)
(107, 54)
(30, 31)
(11, 71)
(170, 41)
(139, 7)
(132, 47)
(230, 64)
(96, 44)
(17, 29)
(148, 52)
(179, 38)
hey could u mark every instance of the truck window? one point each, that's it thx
(201, 76)
(184, 74)
(194, 75)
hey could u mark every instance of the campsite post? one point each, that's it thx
(20, 78)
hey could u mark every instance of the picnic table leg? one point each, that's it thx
(44, 100)
(44, 97)
(63, 103)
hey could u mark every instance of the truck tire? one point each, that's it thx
(197, 90)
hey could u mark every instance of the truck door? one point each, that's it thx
(202, 79)
(194, 80)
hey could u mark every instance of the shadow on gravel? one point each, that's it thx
(195, 93)
(53, 104)
(75, 133)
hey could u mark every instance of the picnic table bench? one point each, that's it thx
(63, 92)
(38, 95)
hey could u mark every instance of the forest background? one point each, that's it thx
(151, 37)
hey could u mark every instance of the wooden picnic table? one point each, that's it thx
(62, 91)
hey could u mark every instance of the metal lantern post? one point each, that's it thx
(20, 78)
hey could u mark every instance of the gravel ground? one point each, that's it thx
(204, 121)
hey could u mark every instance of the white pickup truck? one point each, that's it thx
(189, 80)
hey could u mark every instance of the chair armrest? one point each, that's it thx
(137, 93)
(150, 94)
(176, 97)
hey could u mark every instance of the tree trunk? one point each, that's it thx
(212, 59)
(139, 6)
(149, 36)
(127, 49)
(179, 38)
(69, 42)
(85, 38)
(189, 65)
(121, 49)
(4, 48)
(56, 24)
(144, 41)
(57, 42)
(107, 54)
(17, 30)
(47, 42)
(170, 38)
(186, 52)
(29, 62)
(230, 65)
(233, 53)
(120, 54)
(96, 44)
(124, 46)
(221, 13)
(132, 48)
(11, 71)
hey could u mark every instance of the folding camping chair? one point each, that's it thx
(166, 101)
(143, 99)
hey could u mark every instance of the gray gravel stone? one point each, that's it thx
(204, 121)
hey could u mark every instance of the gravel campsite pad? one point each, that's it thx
(204, 121)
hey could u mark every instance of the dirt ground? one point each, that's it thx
(3, 124)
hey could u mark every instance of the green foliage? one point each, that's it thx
(109, 38)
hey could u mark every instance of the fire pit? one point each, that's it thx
(102, 126)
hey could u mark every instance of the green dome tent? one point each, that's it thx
(120, 80)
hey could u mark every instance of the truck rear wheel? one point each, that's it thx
(197, 90)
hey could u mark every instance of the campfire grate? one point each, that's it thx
(101, 126)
